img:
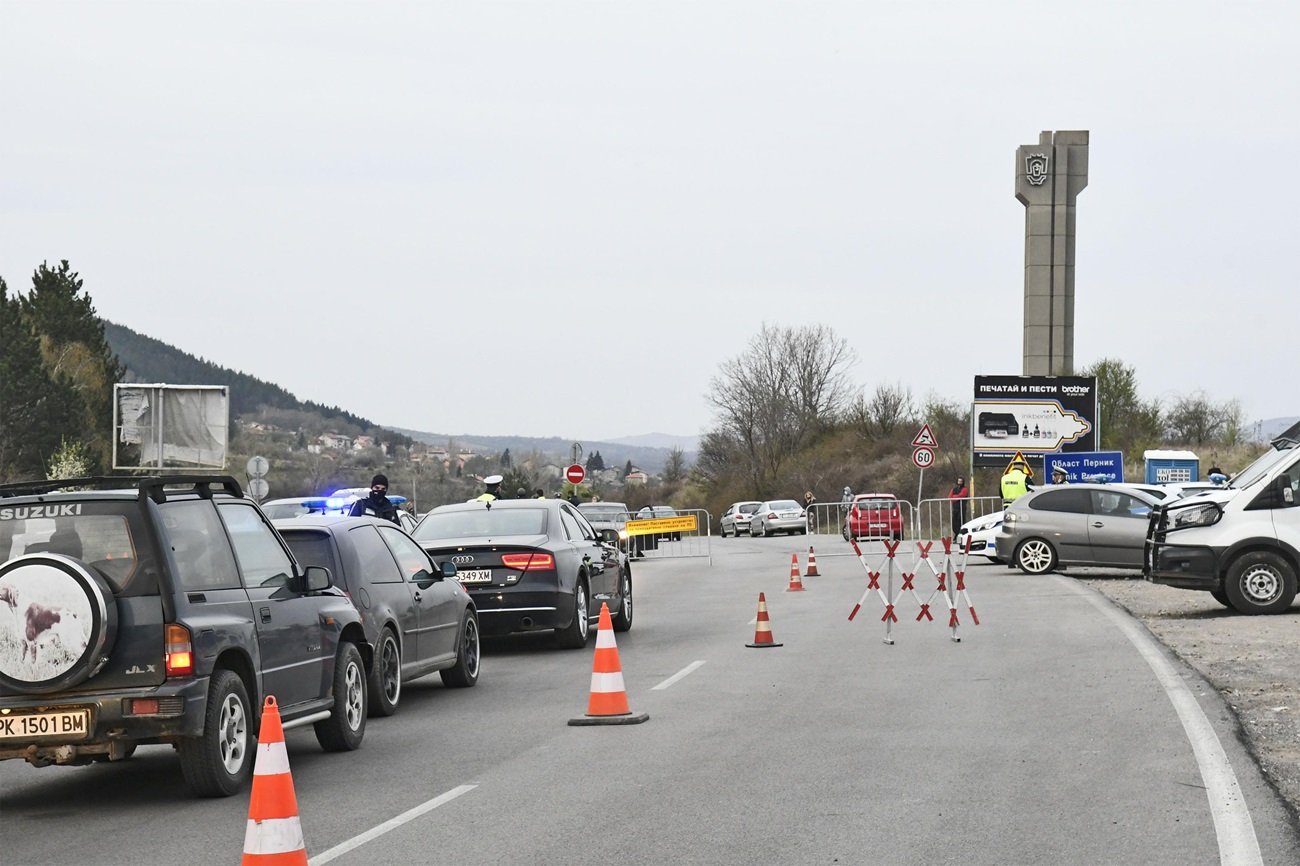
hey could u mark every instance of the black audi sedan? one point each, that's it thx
(416, 617)
(532, 565)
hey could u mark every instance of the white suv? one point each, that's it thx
(1240, 543)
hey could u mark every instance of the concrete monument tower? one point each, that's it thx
(1049, 177)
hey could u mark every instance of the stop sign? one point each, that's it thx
(575, 474)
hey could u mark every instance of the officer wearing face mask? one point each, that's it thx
(377, 502)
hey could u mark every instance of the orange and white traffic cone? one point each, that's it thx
(796, 585)
(273, 836)
(812, 564)
(763, 628)
(608, 702)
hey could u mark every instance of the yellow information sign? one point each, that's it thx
(683, 523)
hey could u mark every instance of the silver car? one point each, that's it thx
(736, 518)
(1076, 524)
(778, 515)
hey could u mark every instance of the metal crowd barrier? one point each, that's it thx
(687, 534)
(939, 518)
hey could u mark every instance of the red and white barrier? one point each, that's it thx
(951, 584)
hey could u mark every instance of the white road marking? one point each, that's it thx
(391, 824)
(690, 668)
(1238, 845)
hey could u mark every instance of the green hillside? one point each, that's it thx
(150, 360)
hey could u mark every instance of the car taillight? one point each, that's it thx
(179, 651)
(528, 561)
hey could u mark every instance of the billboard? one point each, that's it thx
(170, 426)
(1035, 415)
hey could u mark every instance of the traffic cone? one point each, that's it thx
(812, 564)
(273, 836)
(608, 702)
(796, 585)
(763, 630)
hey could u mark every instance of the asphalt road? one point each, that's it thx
(1048, 735)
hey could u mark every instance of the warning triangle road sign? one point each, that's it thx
(925, 438)
(1020, 458)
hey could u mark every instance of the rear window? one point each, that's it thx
(488, 522)
(105, 535)
(1067, 501)
(784, 505)
(314, 548)
(603, 512)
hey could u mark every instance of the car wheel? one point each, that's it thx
(464, 673)
(1221, 597)
(385, 684)
(756, 532)
(1260, 582)
(575, 635)
(844, 530)
(343, 730)
(219, 761)
(623, 618)
(725, 533)
(1036, 556)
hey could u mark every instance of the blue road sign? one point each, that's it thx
(1094, 467)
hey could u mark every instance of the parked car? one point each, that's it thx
(735, 519)
(874, 516)
(1076, 524)
(532, 564)
(606, 515)
(778, 515)
(418, 620)
(1238, 542)
(299, 506)
(983, 533)
(654, 512)
(163, 610)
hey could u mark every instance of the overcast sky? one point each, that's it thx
(546, 218)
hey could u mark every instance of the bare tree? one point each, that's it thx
(773, 399)
(883, 412)
(1197, 420)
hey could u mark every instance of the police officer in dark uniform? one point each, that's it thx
(377, 503)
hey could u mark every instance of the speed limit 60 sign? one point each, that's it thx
(923, 457)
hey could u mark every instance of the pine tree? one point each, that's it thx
(35, 410)
(627, 469)
(75, 351)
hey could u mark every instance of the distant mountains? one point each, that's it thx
(649, 451)
(149, 360)
(1270, 428)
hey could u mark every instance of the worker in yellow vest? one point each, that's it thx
(1015, 483)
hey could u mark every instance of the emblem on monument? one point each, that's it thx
(1036, 168)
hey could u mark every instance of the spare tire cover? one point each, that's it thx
(58, 621)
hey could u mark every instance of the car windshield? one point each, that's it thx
(1259, 468)
(479, 523)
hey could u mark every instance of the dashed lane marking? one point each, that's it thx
(686, 671)
(391, 824)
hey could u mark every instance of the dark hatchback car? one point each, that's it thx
(532, 565)
(417, 619)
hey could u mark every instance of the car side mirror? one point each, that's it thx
(609, 536)
(316, 578)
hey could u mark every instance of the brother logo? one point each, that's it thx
(1075, 390)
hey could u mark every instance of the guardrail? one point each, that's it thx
(940, 518)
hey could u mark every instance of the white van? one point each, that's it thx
(1240, 543)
